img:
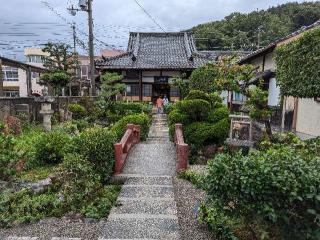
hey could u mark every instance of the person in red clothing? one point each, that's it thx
(159, 105)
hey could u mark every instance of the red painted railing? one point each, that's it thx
(182, 149)
(122, 149)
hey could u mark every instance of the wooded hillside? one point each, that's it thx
(240, 31)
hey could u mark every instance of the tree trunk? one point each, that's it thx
(268, 129)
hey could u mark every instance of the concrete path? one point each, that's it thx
(146, 208)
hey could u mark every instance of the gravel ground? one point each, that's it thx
(187, 198)
(49, 228)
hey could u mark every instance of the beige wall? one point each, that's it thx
(308, 117)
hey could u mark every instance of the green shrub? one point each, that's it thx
(8, 157)
(200, 134)
(78, 111)
(124, 108)
(27, 206)
(138, 119)
(177, 117)
(196, 109)
(203, 78)
(169, 108)
(82, 188)
(218, 114)
(213, 98)
(96, 145)
(101, 206)
(51, 147)
(279, 188)
(79, 180)
(193, 177)
(26, 146)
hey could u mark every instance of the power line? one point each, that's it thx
(149, 15)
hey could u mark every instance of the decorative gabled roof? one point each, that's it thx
(175, 50)
(274, 44)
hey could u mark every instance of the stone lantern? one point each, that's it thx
(46, 110)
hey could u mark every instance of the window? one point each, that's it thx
(84, 71)
(10, 74)
(35, 58)
(238, 97)
(11, 94)
(147, 90)
(133, 90)
(174, 92)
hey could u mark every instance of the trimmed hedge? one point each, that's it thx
(277, 189)
(51, 147)
(213, 98)
(96, 145)
(143, 120)
(197, 109)
(78, 111)
(218, 114)
(202, 133)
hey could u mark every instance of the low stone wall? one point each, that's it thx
(28, 109)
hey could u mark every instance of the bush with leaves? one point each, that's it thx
(51, 147)
(82, 189)
(96, 145)
(143, 120)
(121, 109)
(197, 109)
(200, 134)
(218, 114)
(203, 78)
(277, 189)
(27, 206)
(78, 111)
(8, 157)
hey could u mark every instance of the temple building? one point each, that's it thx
(151, 61)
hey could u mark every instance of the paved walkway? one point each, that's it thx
(146, 207)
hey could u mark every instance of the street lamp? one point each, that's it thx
(86, 6)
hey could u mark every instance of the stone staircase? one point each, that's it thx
(146, 208)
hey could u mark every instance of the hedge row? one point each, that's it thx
(276, 191)
(204, 117)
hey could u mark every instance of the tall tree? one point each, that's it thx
(249, 31)
(61, 62)
(239, 78)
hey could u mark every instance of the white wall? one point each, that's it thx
(308, 117)
(274, 93)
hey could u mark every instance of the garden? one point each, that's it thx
(272, 190)
(68, 170)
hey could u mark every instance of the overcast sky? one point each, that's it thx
(30, 23)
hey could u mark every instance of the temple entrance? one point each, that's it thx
(160, 90)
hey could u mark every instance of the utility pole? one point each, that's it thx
(91, 48)
(86, 6)
(259, 37)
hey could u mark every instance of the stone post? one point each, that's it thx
(46, 111)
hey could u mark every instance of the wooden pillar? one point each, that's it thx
(29, 82)
(295, 114)
(140, 83)
(1, 80)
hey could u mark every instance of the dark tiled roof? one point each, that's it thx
(215, 55)
(274, 44)
(157, 51)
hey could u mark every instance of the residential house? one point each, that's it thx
(299, 115)
(35, 57)
(17, 78)
(151, 61)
